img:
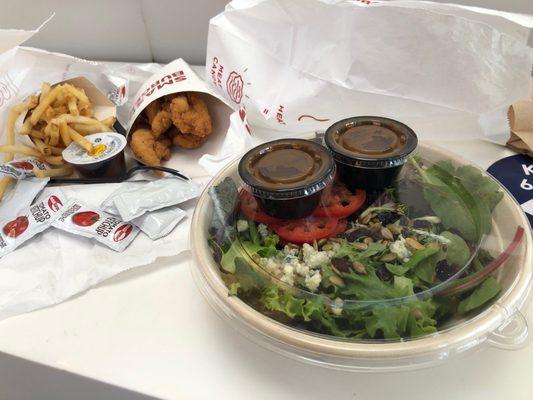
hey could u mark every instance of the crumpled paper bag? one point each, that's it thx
(297, 66)
(521, 123)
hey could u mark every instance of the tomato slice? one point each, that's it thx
(305, 230)
(251, 208)
(342, 224)
(340, 202)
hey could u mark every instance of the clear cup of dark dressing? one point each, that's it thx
(287, 176)
(370, 151)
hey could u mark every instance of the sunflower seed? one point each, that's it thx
(327, 247)
(386, 233)
(414, 244)
(368, 240)
(395, 229)
(359, 268)
(322, 242)
(366, 219)
(388, 257)
(336, 280)
(360, 246)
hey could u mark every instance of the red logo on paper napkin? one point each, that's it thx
(122, 232)
(235, 87)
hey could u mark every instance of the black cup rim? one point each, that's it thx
(346, 157)
(297, 191)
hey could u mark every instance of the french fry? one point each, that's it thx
(44, 104)
(14, 113)
(45, 89)
(42, 147)
(54, 135)
(56, 151)
(79, 93)
(59, 110)
(72, 106)
(87, 111)
(36, 134)
(54, 160)
(53, 172)
(26, 127)
(76, 137)
(69, 119)
(65, 136)
(83, 129)
(109, 121)
(26, 150)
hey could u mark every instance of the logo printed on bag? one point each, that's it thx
(242, 115)
(54, 203)
(311, 117)
(122, 232)
(235, 87)
(8, 89)
(169, 79)
(217, 70)
(279, 115)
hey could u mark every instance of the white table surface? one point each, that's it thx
(150, 331)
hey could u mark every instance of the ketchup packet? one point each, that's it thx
(30, 221)
(133, 199)
(79, 219)
(21, 197)
(20, 169)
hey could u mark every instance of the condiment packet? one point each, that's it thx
(21, 197)
(20, 169)
(79, 219)
(157, 224)
(133, 199)
(30, 221)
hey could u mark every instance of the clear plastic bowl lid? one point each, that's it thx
(421, 256)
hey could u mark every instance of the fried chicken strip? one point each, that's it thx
(143, 146)
(162, 148)
(160, 120)
(190, 115)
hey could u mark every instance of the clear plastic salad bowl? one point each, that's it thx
(355, 301)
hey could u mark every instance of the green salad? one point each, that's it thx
(396, 264)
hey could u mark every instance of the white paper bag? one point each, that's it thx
(299, 65)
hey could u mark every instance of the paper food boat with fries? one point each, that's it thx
(47, 121)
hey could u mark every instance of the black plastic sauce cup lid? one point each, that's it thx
(287, 169)
(370, 142)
